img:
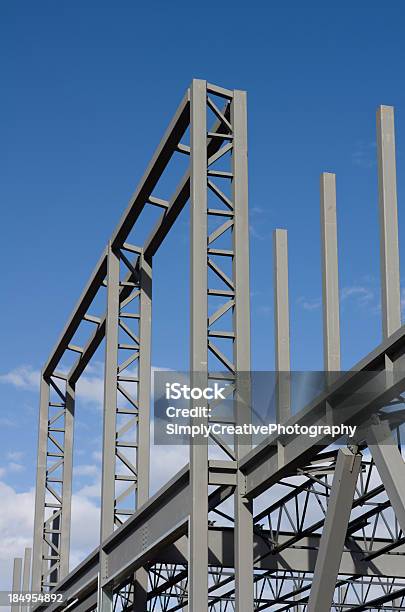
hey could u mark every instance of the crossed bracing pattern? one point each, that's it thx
(58, 396)
(290, 522)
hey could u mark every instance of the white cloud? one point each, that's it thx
(22, 377)
(90, 389)
(15, 467)
(86, 470)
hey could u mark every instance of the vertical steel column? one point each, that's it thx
(334, 531)
(65, 519)
(330, 278)
(144, 397)
(134, 417)
(17, 570)
(243, 506)
(39, 517)
(54, 483)
(390, 278)
(143, 449)
(26, 573)
(109, 420)
(198, 527)
(282, 323)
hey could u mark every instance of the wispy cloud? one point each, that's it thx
(255, 233)
(364, 154)
(15, 455)
(364, 295)
(309, 304)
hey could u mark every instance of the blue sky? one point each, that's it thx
(87, 91)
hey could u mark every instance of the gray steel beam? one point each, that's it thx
(263, 467)
(390, 277)
(110, 396)
(334, 531)
(39, 515)
(156, 166)
(198, 528)
(298, 558)
(65, 520)
(281, 323)
(26, 573)
(109, 419)
(78, 313)
(243, 506)
(144, 395)
(158, 163)
(390, 466)
(17, 571)
(330, 278)
(144, 399)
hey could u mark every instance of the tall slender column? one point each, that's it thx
(330, 278)
(39, 517)
(17, 570)
(144, 398)
(198, 528)
(26, 574)
(243, 506)
(282, 324)
(67, 481)
(109, 420)
(387, 185)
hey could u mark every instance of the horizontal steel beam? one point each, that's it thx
(299, 558)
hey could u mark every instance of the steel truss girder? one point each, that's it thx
(80, 578)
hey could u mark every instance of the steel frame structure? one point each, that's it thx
(311, 527)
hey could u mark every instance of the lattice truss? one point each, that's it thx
(287, 531)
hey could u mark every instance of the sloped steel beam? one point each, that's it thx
(158, 163)
(263, 467)
(390, 466)
(334, 531)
